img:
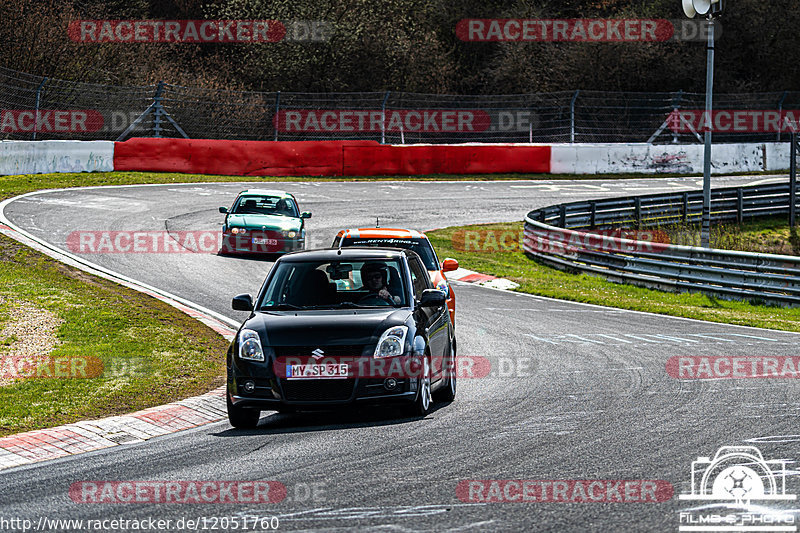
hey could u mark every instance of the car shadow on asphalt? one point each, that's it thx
(277, 423)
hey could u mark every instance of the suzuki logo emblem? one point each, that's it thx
(317, 354)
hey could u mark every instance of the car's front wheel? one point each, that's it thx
(423, 402)
(242, 417)
(448, 392)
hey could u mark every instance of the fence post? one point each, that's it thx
(157, 109)
(562, 216)
(593, 215)
(277, 110)
(685, 214)
(676, 104)
(792, 177)
(739, 205)
(383, 118)
(780, 110)
(637, 211)
(572, 117)
(36, 112)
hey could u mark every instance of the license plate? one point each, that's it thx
(331, 371)
(258, 240)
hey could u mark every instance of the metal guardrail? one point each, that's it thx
(574, 237)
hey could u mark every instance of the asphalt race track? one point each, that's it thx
(576, 392)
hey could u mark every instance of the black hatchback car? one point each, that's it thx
(338, 328)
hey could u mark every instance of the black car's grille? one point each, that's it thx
(317, 389)
(343, 350)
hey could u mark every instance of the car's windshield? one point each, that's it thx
(335, 284)
(421, 246)
(264, 205)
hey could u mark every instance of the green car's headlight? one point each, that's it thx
(237, 231)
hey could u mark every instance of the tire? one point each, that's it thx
(424, 401)
(448, 393)
(242, 417)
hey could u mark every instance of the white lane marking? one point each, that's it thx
(560, 187)
(473, 525)
(640, 338)
(614, 338)
(676, 339)
(754, 337)
(709, 337)
(539, 338)
(103, 204)
(585, 340)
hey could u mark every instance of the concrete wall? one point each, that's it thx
(40, 157)
(656, 159)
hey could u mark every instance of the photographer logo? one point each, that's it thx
(735, 477)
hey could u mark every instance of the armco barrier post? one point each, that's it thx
(739, 205)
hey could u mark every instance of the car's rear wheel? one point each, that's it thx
(242, 417)
(423, 402)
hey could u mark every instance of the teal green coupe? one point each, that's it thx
(263, 222)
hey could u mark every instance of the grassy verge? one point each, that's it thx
(769, 235)
(534, 278)
(151, 353)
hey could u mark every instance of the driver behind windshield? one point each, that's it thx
(375, 278)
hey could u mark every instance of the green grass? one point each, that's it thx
(151, 353)
(535, 278)
(769, 235)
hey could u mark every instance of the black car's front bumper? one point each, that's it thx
(311, 394)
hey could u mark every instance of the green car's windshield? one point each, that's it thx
(421, 246)
(335, 285)
(265, 205)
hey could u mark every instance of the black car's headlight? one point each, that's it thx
(237, 231)
(250, 346)
(392, 342)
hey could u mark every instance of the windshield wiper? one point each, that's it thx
(281, 307)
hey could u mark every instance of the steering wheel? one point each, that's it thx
(374, 299)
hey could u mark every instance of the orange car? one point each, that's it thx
(405, 238)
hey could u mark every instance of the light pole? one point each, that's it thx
(709, 8)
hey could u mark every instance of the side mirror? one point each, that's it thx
(433, 298)
(305, 214)
(243, 302)
(448, 265)
(223, 210)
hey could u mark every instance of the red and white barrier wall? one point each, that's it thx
(370, 158)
